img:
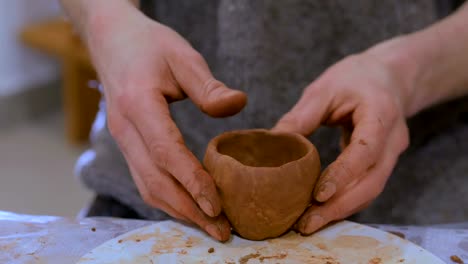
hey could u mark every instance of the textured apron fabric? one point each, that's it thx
(273, 49)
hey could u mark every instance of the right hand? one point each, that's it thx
(143, 66)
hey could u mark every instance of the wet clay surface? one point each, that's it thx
(355, 242)
(456, 259)
(262, 149)
(265, 179)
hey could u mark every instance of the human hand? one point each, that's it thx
(144, 66)
(366, 98)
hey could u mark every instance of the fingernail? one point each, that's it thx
(326, 191)
(313, 223)
(225, 232)
(214, 231)
(206, 206)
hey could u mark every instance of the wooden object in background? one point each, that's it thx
(80, 103)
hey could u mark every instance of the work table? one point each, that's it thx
(49, 239)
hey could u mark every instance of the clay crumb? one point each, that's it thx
(456, 259)
(93, 229)
(246, 258)
(280, 256)
(120, 241)
(211, 250)
(183, 252)
(362, 142)
(329, 260)
(321, 246)
(137, 240)
(401, 260)
(375, 261)
(398, 234)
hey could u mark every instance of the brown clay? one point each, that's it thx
(265, 179)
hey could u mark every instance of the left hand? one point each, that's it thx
(366, 98)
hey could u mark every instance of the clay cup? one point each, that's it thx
(265, 179)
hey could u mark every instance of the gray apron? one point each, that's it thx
(272, 50)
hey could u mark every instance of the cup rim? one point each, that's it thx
(213, 146)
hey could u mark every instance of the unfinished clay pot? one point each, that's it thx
(265, 179)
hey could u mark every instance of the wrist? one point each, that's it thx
(429, 65)
(420, 69)
(96, 17)
(405, 68)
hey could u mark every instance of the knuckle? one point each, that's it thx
(389, 109)
(291, 121)
(344, 172)
(210, 92)
(371, 146)
(210, 86)
(194, 56)
(159, 152)
(195, 182)
(187, 57)
(199, 183)
(191, 183)
(125, 101)
(116, 126)
(136, 90)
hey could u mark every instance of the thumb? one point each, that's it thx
(210, 95)
(217, 100)
(307, 115)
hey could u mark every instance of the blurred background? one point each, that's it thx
(46, 109)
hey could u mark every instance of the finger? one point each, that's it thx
(217, 227)
(309, 112)
(160, 186)
(166, 147)
(151, 199)
(166, 190)
(130, 143)
(353, 199)
(213, 97)
(364, 150)
(172, 192)
(159, 189)
(345, 204)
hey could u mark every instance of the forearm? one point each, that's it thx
(433, 63)
(85, 14)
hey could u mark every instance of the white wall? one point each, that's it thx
(20, 66)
